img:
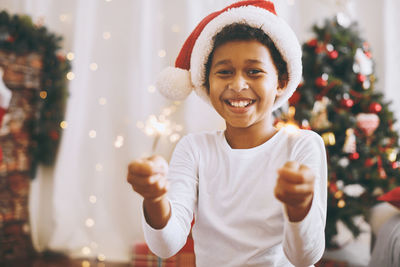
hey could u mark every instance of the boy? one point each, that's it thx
(258, 195)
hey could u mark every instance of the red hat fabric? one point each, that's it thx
(393, 197)
(177, 82)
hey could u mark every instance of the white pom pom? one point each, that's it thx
(174, 83)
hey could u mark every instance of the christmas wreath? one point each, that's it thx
(19, 35)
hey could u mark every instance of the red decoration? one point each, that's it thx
(375, 107)
(333, 187)
(395, 165)
(361, 78)
(368, 54)
(393, 197)
(294, 98)
(381, 170)
(10, 39)
(369, 162)
(321, 82)
(354, 156)
(61, 57)
(54, 135)
(319, 49)
(348, 103)
(367, 122)
(312, 42)
(333, 54)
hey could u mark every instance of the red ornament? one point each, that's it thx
(294, 98)
(333, 187)
(54, 135)
(395, 165)
(368, 54)
(375, 107)
(369, 162)
(333, 54)
(348, 103)
(61, 57)
(10, 39)
(361, 78)
(354, 156)
(312, 42)
(319, 49)
(321, 82)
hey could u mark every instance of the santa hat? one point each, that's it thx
(177, 82)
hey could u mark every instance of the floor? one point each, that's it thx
(60, 261)
(53, 260)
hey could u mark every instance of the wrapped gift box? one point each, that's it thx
(143, 257)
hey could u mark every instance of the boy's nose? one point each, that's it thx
(238, 83)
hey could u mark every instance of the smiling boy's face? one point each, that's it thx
(243, 83)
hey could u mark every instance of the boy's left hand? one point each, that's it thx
(295, 189)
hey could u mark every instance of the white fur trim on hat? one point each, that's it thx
(174, 83)
(276, 28)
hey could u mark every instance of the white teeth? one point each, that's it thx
(240, 103)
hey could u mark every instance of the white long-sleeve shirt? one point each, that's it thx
(238, 221)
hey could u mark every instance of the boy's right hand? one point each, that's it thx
(148, 177)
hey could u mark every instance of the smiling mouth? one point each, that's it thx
(242, 103)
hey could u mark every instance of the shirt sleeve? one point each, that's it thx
(182, 197)
(304, 241)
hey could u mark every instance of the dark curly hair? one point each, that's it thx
(239, 32)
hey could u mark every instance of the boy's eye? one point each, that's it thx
(224, 72)
(254, 71)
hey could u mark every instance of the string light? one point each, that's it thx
(93, 199)
(341, 203)
(119, 142)
(63, 17)
(175, 28)
(106, 35)
(101, 257)
(102, 101)
(174, 137)
(70, 76)
(392, 154)
(43, 94)
(63, 125)
(85, 263)
(151, 88)
(338, 194)
(162, 53)
(99, 167)
(86, 250)
(70, 56)
(92, 134)
(89, 222)
(93, 66)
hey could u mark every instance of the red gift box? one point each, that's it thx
(143, 257)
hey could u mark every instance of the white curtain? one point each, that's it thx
(83, 206)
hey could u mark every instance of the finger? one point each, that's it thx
(158, 189)
(288, 188)
(307, 173)
(301, 176)
(140, 167)
(292, 165)
(291, 198)
(160, 165)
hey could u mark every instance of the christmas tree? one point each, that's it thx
(337, 99)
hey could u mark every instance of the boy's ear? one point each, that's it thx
(282, 82)
(280, 91)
